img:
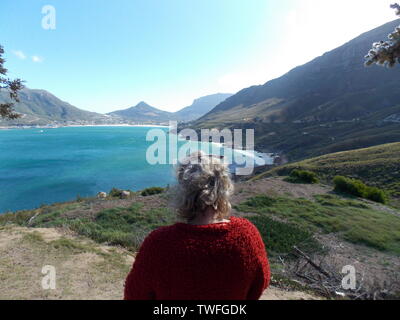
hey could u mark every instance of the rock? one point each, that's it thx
(125, 194)
(102, 195)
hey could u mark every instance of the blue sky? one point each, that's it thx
(108, 55)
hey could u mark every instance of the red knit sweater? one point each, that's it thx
(225, 261)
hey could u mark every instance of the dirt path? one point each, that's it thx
(84, 269)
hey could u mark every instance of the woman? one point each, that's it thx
(208, 256)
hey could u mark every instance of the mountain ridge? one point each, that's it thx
(40, 107)
(303, 79)
(332, 103)
(144, 112)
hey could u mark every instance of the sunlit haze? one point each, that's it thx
(109, 55)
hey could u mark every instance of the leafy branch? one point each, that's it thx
(13, 86)
(386, 53)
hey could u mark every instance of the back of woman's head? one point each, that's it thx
(203, 183)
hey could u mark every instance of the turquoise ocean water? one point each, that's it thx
(43, 166)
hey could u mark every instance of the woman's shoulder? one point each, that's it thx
(161, 233)
(237, 225)
(245, 231)
(243, 224)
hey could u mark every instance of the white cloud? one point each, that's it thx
(19, 54)
(37, 59)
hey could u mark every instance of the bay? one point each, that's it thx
(44, 166)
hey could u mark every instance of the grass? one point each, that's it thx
(280, 237)
(84, 269)
(352, 220)
(23, 216)
(33, 237)
(117, 226)
(377, 166)
(125, 227)
(65, 247)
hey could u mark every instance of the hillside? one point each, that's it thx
(376, 166)
(39, 107)
(201, 106)
(332, 103)
(330, 229)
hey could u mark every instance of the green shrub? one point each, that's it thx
(152, 191)
(259, 201)
(357, 188)
(115, 193)
(302, 176)
(377, 195)
(350, 186)
(280, 237)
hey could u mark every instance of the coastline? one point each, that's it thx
(119, 125)
(239, 158)
(260, 158)
(23, 127)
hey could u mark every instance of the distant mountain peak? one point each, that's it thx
(143, 112)
(143, 104)
(201, 106)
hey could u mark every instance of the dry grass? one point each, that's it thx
(84, 270)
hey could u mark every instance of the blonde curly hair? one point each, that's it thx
(203, 182)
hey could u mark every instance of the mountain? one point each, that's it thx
(39, 107)
(201, 106)
(330, 104)
(143, 112)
